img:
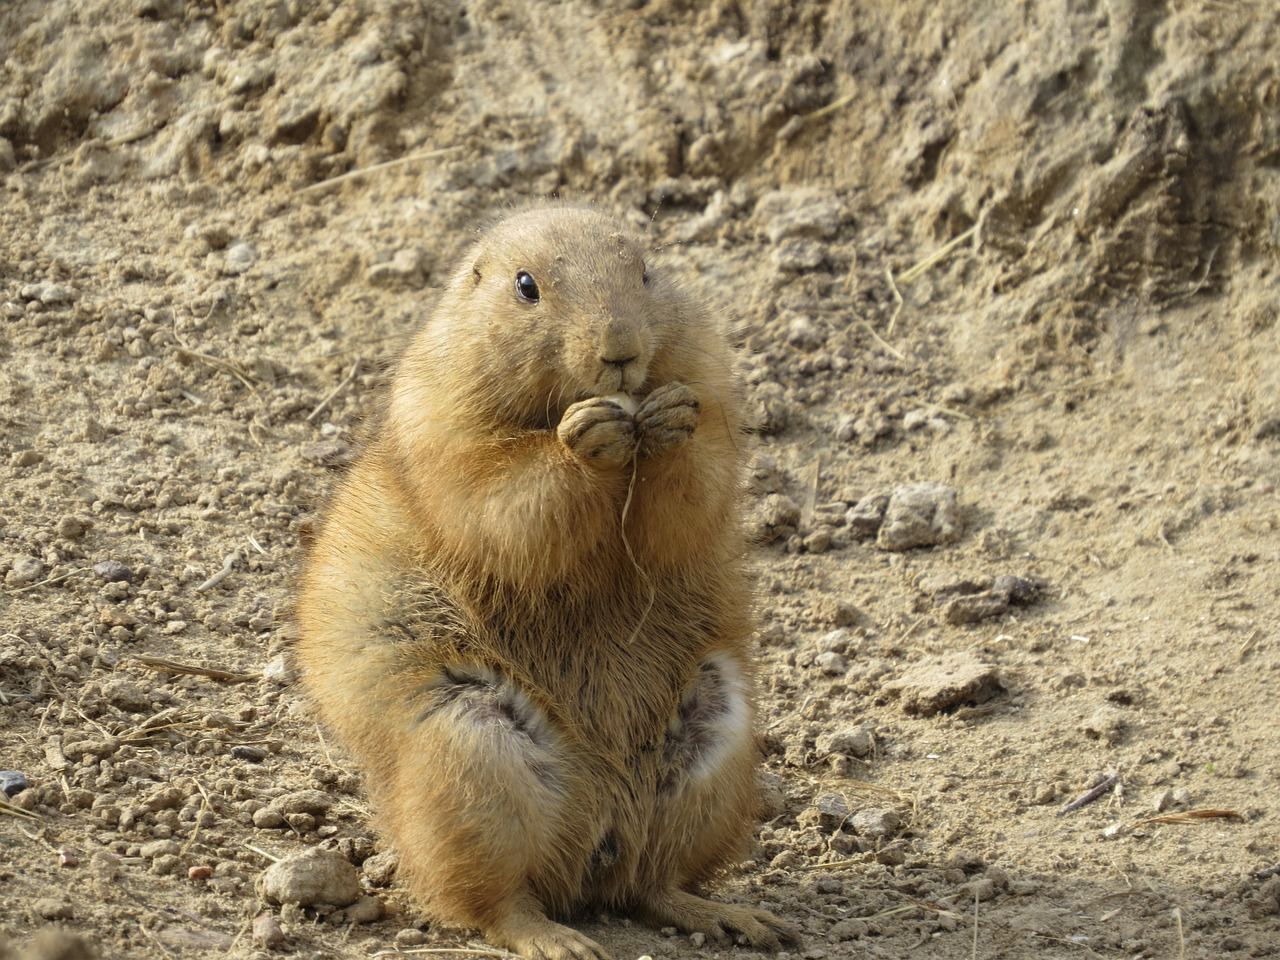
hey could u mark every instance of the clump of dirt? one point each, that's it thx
(1026, 257)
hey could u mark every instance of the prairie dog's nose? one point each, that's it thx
(619, 343)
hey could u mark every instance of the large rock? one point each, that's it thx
(312, 876)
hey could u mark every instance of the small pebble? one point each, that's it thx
(266, 931)
(48, 908)
(126, 695)
(112, 571)
(851, 929)
(403, 269)
(831, 663)
(239, 258)
(865, 518)
(798, 255)
(829, 812)
(268, 819)
(160, 848)
(1115, 830)
(25, 570)
(803, 334)
(774, 516)
(939, 683)
(201, 871)
(165, 865)
(857, 741)
(818, 541)
(12, 782)
(246, 752)
(828, 885)
(365, 910)
(380, 869)
(920, 515)
(837, 640)
(47, 292)
(280, 670)
(314, 802)
(875, 824)
(798, 212)
(73, 528)
(980, 889)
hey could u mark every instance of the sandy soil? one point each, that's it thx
(1030, 255)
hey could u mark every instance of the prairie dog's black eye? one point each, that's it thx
(527, 287)
(644, 275)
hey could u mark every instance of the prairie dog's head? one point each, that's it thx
(564, 308)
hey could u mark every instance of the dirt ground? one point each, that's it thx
(1028, 252)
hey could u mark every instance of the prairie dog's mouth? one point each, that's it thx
(624, 400)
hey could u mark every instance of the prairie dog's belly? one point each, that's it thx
(688, 735)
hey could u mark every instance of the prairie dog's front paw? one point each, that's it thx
(668, 417)
(598, 430)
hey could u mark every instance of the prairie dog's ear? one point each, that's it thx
(479, 266)
(474, 274)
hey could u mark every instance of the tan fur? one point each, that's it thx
(553, 708)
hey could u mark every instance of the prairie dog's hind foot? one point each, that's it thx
(598, 429)
(530, 933)
(724, 922)
(667, 418)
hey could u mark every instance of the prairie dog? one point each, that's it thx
(525, 612)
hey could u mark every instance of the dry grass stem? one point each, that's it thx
(622, 532)
(865, 788)
(346, 381)
(944, 251)
(461, 951)
(177, 668)
(833, 865)
(1092, 794)
(883, 344)
(975, 927)
(226, 366)
(811, 484)
(10, 810)
(1193, 816)
(172, 719)
(378, 168)
(228, 565)
(832, 107)
(195, 830)
(1249, 643)
(324, 745)
(1199, 284)
(899, 303)
(262, 853)
(50, 582)
(53, 163)
(949, 411)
